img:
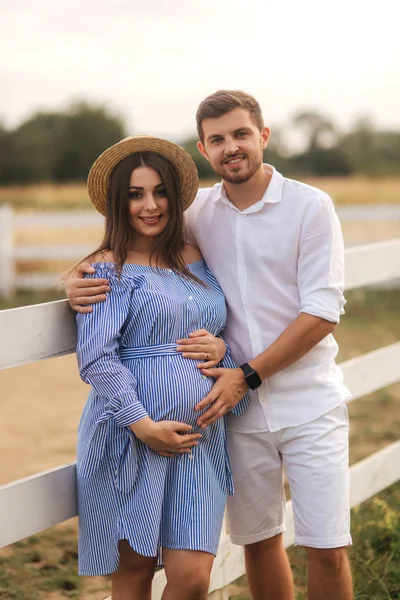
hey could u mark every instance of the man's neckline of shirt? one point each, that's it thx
(272, 195)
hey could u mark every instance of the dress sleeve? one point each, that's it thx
(99, 334)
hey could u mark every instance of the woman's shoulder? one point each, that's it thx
(105, 267)
(191, 254)
(104, 256)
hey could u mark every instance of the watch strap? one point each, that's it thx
(251, 376)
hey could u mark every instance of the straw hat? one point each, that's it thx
(102, 168)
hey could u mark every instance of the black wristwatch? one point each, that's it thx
(251, 376)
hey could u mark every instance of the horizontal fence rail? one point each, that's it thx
(372, 263)
(48, 330)
(36, 503)
(37, 340)
(10, 253)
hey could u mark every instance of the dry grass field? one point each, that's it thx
(54, 197)
(343, 190)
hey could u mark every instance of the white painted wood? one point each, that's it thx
(52, 252)
(36, 503)
(372, 263)
(48, 330)
(218, 575)
(158, 586)
(75, 219)
(56, 488)
(375, 473)
(372, 371)
(36, 332)
(288, 536)
(7, 265)
(90, 218)
(37, 281)
(365, 265)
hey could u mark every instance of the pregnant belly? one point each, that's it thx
(170, 387)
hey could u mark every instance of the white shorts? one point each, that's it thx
(315, 458)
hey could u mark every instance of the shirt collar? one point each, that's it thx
(272, 195)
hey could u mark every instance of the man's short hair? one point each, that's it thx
(224, 101)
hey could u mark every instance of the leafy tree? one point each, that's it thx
(51, 146)
(324, 154)
(202, 164)
(86, 132)
(35, 144)
(372, 152)
(7, 153)
(319, 130)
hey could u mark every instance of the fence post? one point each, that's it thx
(7, 264)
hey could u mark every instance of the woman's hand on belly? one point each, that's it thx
(202, 345)
(165, 437)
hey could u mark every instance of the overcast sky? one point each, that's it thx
(155, 60)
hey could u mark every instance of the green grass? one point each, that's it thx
(73, 196)
(374, 556)
(41, 564)
(31, 297)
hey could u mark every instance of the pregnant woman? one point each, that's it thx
(152, 486)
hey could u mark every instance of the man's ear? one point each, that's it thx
(265, 136)
(202, 150)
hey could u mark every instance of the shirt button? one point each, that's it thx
(190, 297)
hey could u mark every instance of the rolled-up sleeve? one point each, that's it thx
(321, 262)
(99, 334)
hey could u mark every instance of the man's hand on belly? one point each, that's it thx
(228, 389)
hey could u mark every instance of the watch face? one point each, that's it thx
(253, 380)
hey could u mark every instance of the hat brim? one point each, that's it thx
(99, 174)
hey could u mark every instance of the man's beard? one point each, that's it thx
(237, 178)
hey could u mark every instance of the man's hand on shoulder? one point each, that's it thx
(82, 292)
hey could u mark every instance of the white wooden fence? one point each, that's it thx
(10, 252)
(44, 331)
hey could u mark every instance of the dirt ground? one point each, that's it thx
(40, 409)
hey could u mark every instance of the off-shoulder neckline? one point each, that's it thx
(100, 264)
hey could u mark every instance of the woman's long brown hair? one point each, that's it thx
(118, 229)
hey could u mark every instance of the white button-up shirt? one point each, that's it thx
(278, 258)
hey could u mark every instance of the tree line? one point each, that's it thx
(61, 146)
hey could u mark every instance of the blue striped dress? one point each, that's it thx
(127, 352)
